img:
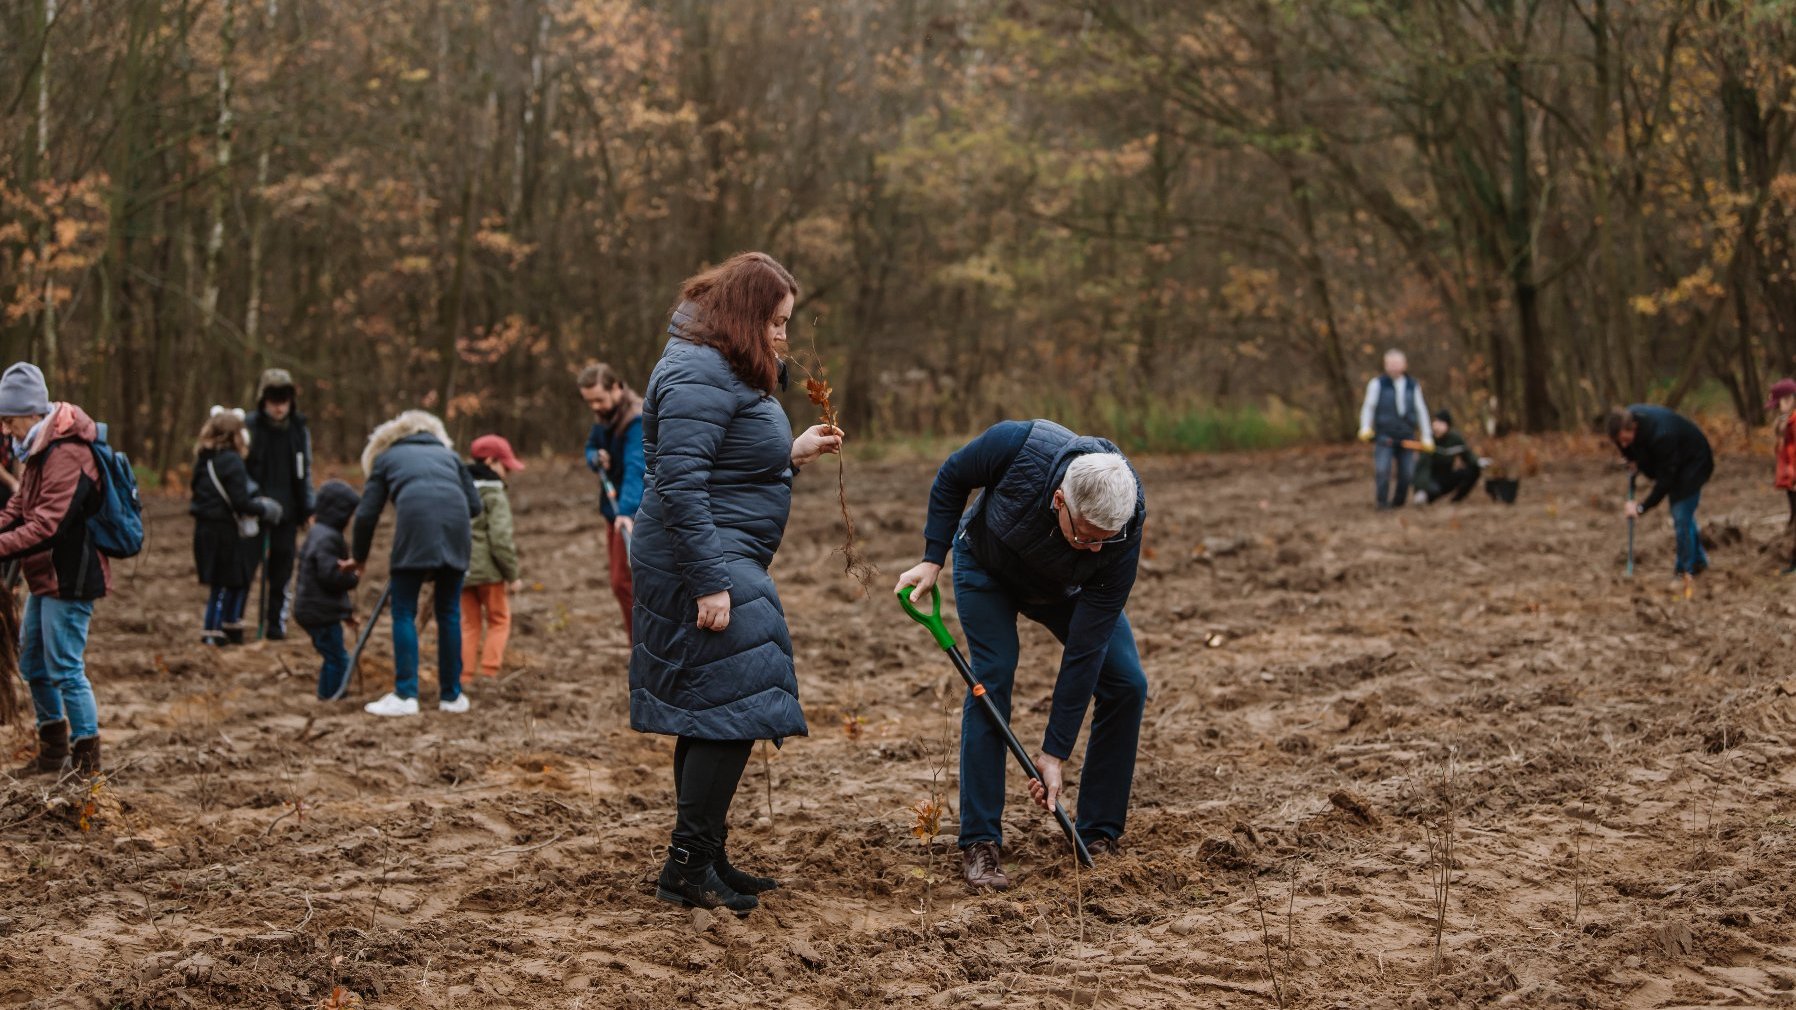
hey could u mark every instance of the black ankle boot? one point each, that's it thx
(690, 878)
(233, 636)
(739, 881)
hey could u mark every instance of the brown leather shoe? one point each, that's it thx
(1103, 847)
(982, 863)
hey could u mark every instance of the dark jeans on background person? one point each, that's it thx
(53, 662)
(333, 674)
(1386, 452)
(1691, 558)
(446, 605)
(706, 773)
(988, 614)
(224, 607)
(1457, 484)
(282, 546)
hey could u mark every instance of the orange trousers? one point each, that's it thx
(485, 608)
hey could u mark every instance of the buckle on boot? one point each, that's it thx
(678, 855)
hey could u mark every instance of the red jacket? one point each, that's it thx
(44, 526)
(1786, 455)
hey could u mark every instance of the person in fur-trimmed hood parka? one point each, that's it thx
(412, 461)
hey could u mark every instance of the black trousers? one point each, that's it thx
(1457, 483)
(1791, 495)
(706, 773)
(283, 542)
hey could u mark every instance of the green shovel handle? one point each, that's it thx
(931, 620)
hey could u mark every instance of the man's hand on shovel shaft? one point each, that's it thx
(1630, 509)
(920, 580)
(1046, 791)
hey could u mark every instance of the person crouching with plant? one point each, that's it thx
(712, 660)
(227, 518)
(411, 461)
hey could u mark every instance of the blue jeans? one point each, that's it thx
(1386, 452)
(406, 586)
(52, 659)
(333, 675)
(224, 607)
(988, 614)
(1691, 557)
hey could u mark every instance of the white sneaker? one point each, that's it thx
(392, 705)
(458, 706)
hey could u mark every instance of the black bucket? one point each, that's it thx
(1502, 489)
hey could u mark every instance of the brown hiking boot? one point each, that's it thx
(86, 756)
(982, 863)
(52, 750)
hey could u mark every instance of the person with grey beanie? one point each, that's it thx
(44, 529)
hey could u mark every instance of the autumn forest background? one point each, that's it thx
(1186, 225)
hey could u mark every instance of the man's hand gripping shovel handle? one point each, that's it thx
(945, 639)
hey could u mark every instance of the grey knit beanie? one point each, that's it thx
(23, 393)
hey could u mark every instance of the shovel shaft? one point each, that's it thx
(1016, 747)
(938, 629)
(361, 642)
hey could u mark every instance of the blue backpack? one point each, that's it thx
(117, 526)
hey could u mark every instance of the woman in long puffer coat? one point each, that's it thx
(712, 661)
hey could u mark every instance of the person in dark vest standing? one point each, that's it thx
(1672, 452)
(1056, 538)
(280, 464)
(614, 450)
(1394, 413)
(712, 663)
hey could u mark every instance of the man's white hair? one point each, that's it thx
(1100, 489)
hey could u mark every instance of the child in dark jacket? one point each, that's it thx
(326, 576)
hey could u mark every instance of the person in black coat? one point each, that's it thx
(326, 576)
(280, 462)
(1672, 452)
(226, 533)
(712, 660)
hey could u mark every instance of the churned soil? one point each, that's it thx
(1350, 711)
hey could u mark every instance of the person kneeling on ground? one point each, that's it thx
(493, 565)
(411, 460)
(44, 528)
(1056, 538)
(1672, 452)
(1452, 469)
(326, 576)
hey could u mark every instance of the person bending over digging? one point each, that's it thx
(1672, 452)
(614, 451)
(712, 660)
(411, 460)
(1056, 538)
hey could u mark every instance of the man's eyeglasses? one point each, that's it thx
(1079, 541)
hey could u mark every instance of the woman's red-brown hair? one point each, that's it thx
(736, 299)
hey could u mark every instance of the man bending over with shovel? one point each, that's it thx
(1055, 537)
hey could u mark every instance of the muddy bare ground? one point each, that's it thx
(1337, 696)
